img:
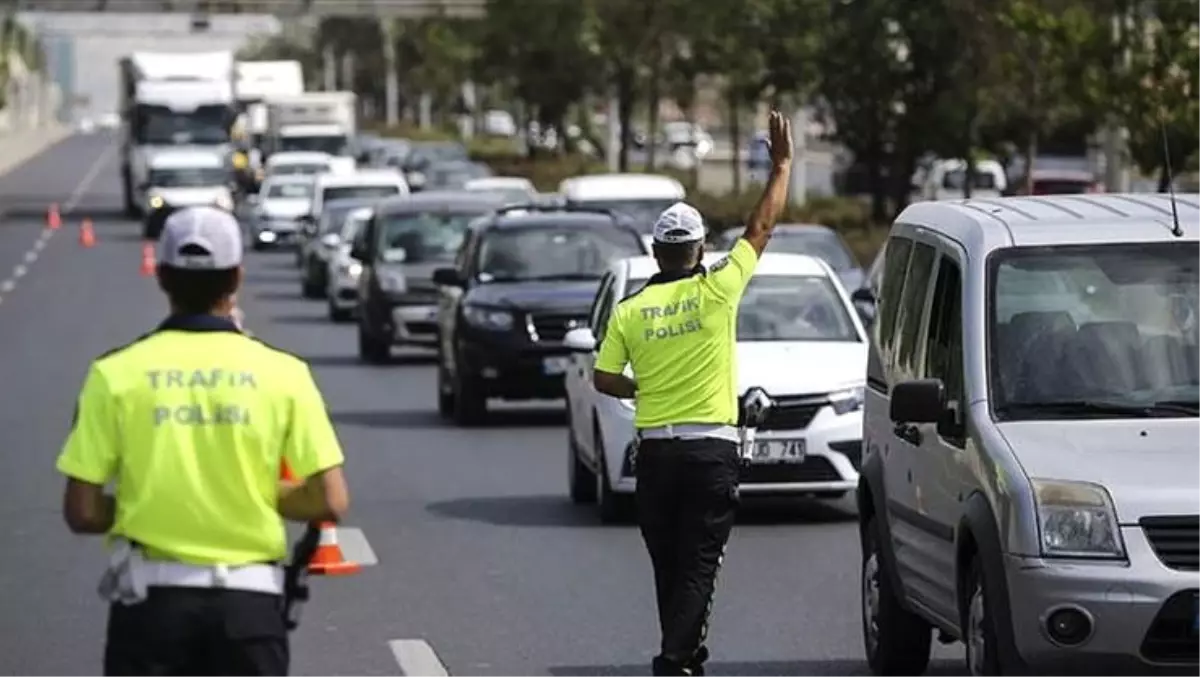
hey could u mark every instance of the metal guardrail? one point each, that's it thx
(399, 9)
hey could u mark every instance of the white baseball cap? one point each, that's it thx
(680, 223)
(201, 238)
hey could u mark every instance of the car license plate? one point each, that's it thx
(787, 451)
(552, 366)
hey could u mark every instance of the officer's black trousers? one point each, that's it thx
(686, 499)
(194, 631)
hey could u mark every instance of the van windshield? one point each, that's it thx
(1094, 331)
(190, 177)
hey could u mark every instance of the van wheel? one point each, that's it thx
(896, 641)
(983, 651)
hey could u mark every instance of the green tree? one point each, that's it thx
(1162, 105)
(549, 68)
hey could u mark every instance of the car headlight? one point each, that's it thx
(393, 283)
(488, 318)
(352, 269)
(1076, 519)
(847, 401)
(156, 201)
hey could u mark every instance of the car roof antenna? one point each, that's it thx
(1176, 229)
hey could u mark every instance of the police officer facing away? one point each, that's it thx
(192, 422)
(679, 334)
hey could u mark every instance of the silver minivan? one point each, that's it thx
(1031, 474)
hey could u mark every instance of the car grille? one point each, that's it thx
(793, 413)
(812, 469)
(1175, 539)
(553, 326)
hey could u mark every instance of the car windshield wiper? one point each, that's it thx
(1101, 408)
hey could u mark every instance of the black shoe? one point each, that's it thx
(666, 666)
(695, 666)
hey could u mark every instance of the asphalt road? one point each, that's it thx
(481, 555)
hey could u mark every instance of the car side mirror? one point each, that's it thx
(447, 277)
(580, 340)
(919, 401)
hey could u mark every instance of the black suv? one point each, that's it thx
(523, 278)
(399, 249)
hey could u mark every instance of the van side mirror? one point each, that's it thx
(447, 277)
(920, 401)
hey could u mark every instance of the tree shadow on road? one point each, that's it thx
(518, 511)
(833, 666)
(558, 511)
(774, 511)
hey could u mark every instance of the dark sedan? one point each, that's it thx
(408, 238)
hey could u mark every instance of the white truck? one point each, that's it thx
(313, 121)
(170, 100)
(258, 82)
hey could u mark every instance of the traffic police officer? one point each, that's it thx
(192, 422)
(678, 334)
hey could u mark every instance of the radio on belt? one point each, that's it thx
(753, 408)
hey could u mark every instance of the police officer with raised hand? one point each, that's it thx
(678, 335)
(192, 422)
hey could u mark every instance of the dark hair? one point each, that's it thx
(197, 292)
(676, 254)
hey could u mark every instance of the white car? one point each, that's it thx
(799, 339)
(298, 162)
(368, 183)
(278, 206)
(641, 197)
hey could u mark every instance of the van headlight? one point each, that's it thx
(156, 202)
(488, 318)
(1077, 519)
(847, 401)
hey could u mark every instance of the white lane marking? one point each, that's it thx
(417, 658)
(43, 239)
(355, 547)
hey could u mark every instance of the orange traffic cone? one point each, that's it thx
(87, 237)
(328, 559)
(148, 263)
(53, 218)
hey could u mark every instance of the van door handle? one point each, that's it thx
(909, 433)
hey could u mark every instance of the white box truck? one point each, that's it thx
(313, 121)
(170, 100)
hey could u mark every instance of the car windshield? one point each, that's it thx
(187, 178)
(642, 213)
(334, 145)
(788, 308)
(1094, 330)
(553, 252)
(425, 236)
(301, 168)
(458, 175)
(343, 192)
(290, 189)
